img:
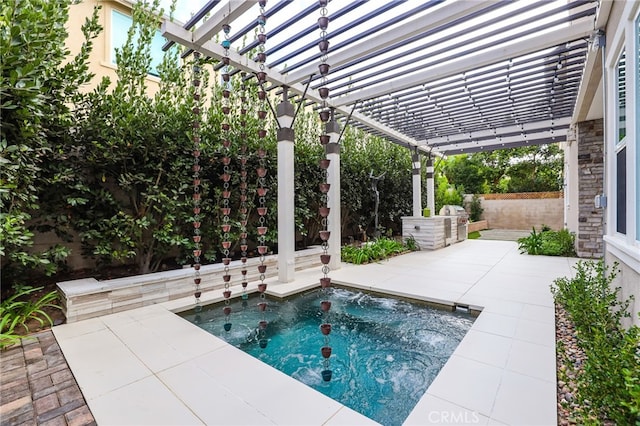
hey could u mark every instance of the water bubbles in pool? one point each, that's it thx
(385, 354)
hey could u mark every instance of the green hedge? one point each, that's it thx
(608, 382)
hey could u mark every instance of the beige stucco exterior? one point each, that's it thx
(100, 62)
(618, 21)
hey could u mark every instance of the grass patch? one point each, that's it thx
(474, 235)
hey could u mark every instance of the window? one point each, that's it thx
(120, 24)
(621, 99)
(620, 148)
(637, 123)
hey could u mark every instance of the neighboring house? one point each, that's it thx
(603, 157)
(115, 19)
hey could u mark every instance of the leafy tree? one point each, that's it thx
(466, 170)
(123, 178)
(39, 82)
(525, 169)
(308, 175)
(447, 194)
(361, 156)
(495, 166)
(537, 169)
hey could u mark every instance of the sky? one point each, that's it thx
(184, 8)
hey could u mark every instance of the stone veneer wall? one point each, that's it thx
(590, 183)
(89, 298)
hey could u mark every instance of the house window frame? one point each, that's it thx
(636, 143)
(623, 37)
(620, 96)
(110, 58)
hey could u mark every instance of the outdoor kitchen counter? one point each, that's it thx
(435, 232)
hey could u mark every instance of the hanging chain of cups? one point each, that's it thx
(226, 175)
(243, 187)
(325, 281)
(196, 197)
(262, 171)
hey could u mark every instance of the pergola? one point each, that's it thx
(438, 77)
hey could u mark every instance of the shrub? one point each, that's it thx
(531, 244)
(411, 244)
(548, 243)
(475, 208)
(18, 309)
(607, 383)
(376, 250)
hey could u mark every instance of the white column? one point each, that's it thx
(417, 185)
(431, 200)
(333, 201)
(286, 192)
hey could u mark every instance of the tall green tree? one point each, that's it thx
(308, 175)
(467, 171)
(40, 80)
(123, 178)
(362, 156)
(536, 169)
(525, 169)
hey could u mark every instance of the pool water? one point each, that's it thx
(386, 351)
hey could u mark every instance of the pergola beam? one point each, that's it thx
(534, 138)
(588, 85)
(579, 29)
(483, 134)
(226, 15)
(502, 145)
(176, 33)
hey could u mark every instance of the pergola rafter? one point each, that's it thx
(415, 73)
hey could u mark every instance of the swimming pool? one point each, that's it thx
(386, 351)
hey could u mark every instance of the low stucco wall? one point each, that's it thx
(628, 280)
(523, 211)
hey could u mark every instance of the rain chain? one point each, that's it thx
(262, 172)
(325, 281)
(243, 188)
(197, 218)
(226, 175)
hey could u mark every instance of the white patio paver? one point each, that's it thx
(148, 366)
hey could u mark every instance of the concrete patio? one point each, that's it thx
(148, 366)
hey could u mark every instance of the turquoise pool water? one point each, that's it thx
(386, 351)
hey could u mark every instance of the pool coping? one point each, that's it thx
(503, 372)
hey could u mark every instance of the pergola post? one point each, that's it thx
(286, 195)
(431, 200)
(333, 200)
(417, 185)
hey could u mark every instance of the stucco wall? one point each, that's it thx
(519, 213)
(100, 58)
(629, 282)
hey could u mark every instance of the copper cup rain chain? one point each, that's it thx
(243, 190)
(226, 176)
(261, 77)
(325, 257)
(196, 197)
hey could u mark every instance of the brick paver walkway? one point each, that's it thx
(37, 386)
